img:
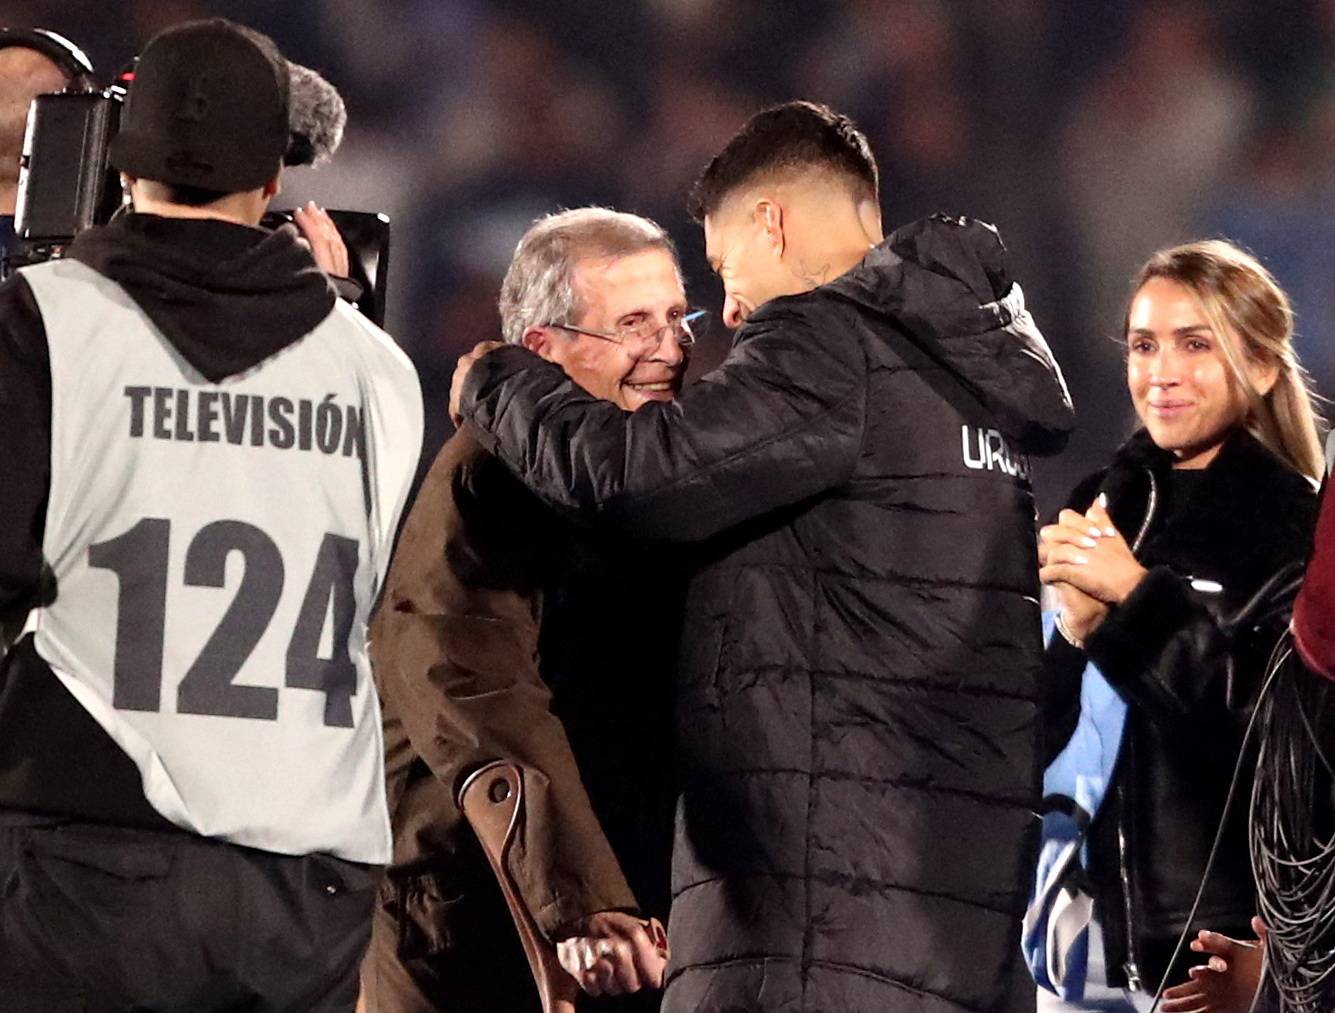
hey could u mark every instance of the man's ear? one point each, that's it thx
(768, 216)
(538, 341)
(274, 187)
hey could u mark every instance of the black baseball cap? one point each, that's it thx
(208, 108)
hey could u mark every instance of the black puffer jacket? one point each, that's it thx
(858, 707)
(1189, 659)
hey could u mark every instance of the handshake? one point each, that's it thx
(614, 953)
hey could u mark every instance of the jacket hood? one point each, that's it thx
(226, 296)
(944, 282)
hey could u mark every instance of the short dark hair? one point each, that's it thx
(795, 135)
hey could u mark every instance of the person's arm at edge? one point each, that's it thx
(25, 448)
(1314, 611)
(779, 421)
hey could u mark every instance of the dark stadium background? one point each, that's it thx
(1089, 131)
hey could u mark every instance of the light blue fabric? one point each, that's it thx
(1056, 927)
(1099, 997)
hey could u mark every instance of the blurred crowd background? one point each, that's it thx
(1090, 132)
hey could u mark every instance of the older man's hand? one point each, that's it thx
(613, 953)
(461, 374)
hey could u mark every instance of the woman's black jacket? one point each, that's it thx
(1187, 650)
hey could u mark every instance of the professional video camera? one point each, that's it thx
(66, 183)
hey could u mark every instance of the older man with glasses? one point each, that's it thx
(508, 634)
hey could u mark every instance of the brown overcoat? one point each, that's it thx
(455, 651)
(483, 572)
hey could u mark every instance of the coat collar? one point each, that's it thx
(1242, 467)
(1249, 511)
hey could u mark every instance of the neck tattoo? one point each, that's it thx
(813, 277)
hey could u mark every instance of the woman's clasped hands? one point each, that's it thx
(1088, 562)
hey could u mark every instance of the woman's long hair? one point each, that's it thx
(1253, 320)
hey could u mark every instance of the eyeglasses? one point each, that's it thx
(646, 332)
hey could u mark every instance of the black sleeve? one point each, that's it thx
(779, 421)
(25, 445)
(1181, 659)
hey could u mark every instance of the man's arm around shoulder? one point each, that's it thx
(779, 421)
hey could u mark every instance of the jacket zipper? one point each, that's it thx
(1132, 968)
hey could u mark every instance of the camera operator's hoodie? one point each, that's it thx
(126, 371)
(858, 691)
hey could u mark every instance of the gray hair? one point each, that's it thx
(539, 286)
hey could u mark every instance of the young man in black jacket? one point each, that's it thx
(204, 461)
(858, 688)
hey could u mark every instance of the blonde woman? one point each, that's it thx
(1170, 566)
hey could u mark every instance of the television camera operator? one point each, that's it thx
(205, 457)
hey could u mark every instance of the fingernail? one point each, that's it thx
(1081, 560)
(1110, 531)
(1095, 532)
(1088, 543)
(1103, 500)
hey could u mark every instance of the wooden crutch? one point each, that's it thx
(492, 800)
